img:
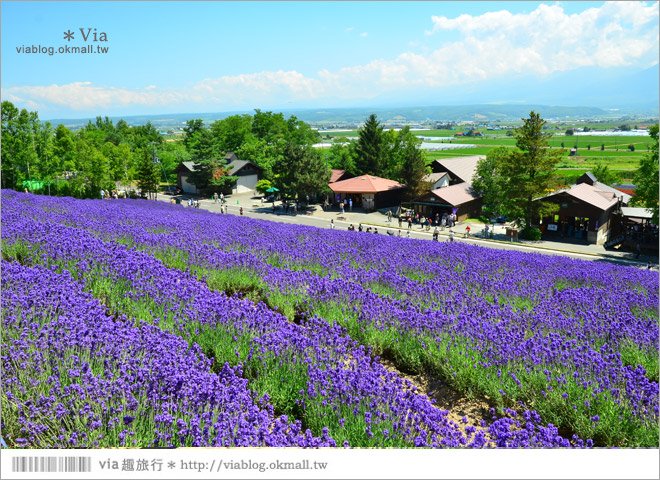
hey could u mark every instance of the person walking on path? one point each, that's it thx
(241, 211)
(409, 223)
(435, 234)
(400, 220)
(332, 224)
(341, 207)
(467, 231)
(389, 216)
(451, 235)
(350, 204)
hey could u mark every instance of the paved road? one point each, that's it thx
(252, 208)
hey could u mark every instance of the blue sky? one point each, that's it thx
(184, 57)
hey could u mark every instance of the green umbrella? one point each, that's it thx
(272, 189)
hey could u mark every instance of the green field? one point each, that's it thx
(616, 154)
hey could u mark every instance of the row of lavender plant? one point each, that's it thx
(351, 393)
(500, 340)
(74, 376)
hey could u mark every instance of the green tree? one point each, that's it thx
(148, 175)
(300, 133)
(221, 180)
(412, 165)
(370, 148)
(300, 171)
(260, 153)
(9, 145)
(269, 127)
(646, 178)
(202, 174)
(48, 162)
(487, 180)
(231, 133)
(171, 154)
(64, 149)
(605, 175)
(341, 156)
(524, 174)
(201, 147)
(263, 185)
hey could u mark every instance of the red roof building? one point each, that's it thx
(369, 191)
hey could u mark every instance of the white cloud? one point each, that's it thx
(489, 46)
(548, 39)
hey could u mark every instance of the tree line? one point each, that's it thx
(54, 160)
(103, 155)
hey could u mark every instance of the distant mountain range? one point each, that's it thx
(481, 112)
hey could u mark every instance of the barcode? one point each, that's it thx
(51, 464)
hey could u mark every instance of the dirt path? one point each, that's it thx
(446, 398)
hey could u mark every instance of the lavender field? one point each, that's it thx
(137, 323)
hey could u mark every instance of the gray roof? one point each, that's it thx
(625, 198)
(189, 165)
(587, 177)
(636, 212)
(434, 177)
(237, 165)
(588, 194)
(460, 167)
(456, 194)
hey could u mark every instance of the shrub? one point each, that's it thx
(530, 233)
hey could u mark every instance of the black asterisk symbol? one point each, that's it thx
(68, 35)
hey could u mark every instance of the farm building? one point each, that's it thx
(183, 171)
(459, 199)
(452, 189)
(585, 213)
(590, 179)
(459, 169)
(632, 226)
(368, 191)
(248, 174)
(438, 180)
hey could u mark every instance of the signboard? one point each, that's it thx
(552, 227)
